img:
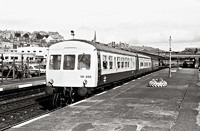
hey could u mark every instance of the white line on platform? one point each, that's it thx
(32, 120)
(26, 85)
(101, 93)
(126, 83)
(116, 87)
(1, 89)
(133, 80)
(77, 102)
(139, 78)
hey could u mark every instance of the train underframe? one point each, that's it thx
(61, 96)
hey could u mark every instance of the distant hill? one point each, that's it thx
(42, 38)
(147, 49)
(11, 34)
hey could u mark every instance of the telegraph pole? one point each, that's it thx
(170, 39)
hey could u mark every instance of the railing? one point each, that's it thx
(17, 70)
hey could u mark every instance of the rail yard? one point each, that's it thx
(92, 86)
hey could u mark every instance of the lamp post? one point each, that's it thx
(72, 33)
(2, 67)
(170, 39)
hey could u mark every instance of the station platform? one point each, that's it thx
(21, 83)
(131, 107)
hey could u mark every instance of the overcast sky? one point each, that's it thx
(137, 22)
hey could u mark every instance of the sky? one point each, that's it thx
(136, 22)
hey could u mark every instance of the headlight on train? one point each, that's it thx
(84, 83)
(50, 82)
(49, 87)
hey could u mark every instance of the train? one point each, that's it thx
(77, 67)
(9, 57)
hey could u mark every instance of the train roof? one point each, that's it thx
(104, 47)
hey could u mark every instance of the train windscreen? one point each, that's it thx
(55, 61)
(69, 62)
(84, 62)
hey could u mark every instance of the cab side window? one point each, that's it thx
(55, 61)
(84, 61)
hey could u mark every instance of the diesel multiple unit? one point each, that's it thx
(77, 67)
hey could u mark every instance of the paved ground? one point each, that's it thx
(132, 107)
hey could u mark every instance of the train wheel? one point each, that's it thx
(72, 97)
(56, 100)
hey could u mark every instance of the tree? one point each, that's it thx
(17, 35)
(46, 36)
(39, 36)
(26, 36)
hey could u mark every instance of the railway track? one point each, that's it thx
(18, 106)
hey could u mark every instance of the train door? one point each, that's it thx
(99, 64)
(152, 63)
(137, 64)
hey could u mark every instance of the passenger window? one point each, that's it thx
(114, 66)
(69, 62)
(55, 61)
(141, 64)
(146, 64)
(122, 59)
(111, 62)
(105, 63)
(84, 62)
(126, 62)
(118, 62)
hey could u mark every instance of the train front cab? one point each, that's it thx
(71, 69)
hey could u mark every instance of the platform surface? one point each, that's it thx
(21, 83)
(131, 107)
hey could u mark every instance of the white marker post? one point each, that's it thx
(170, 39)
